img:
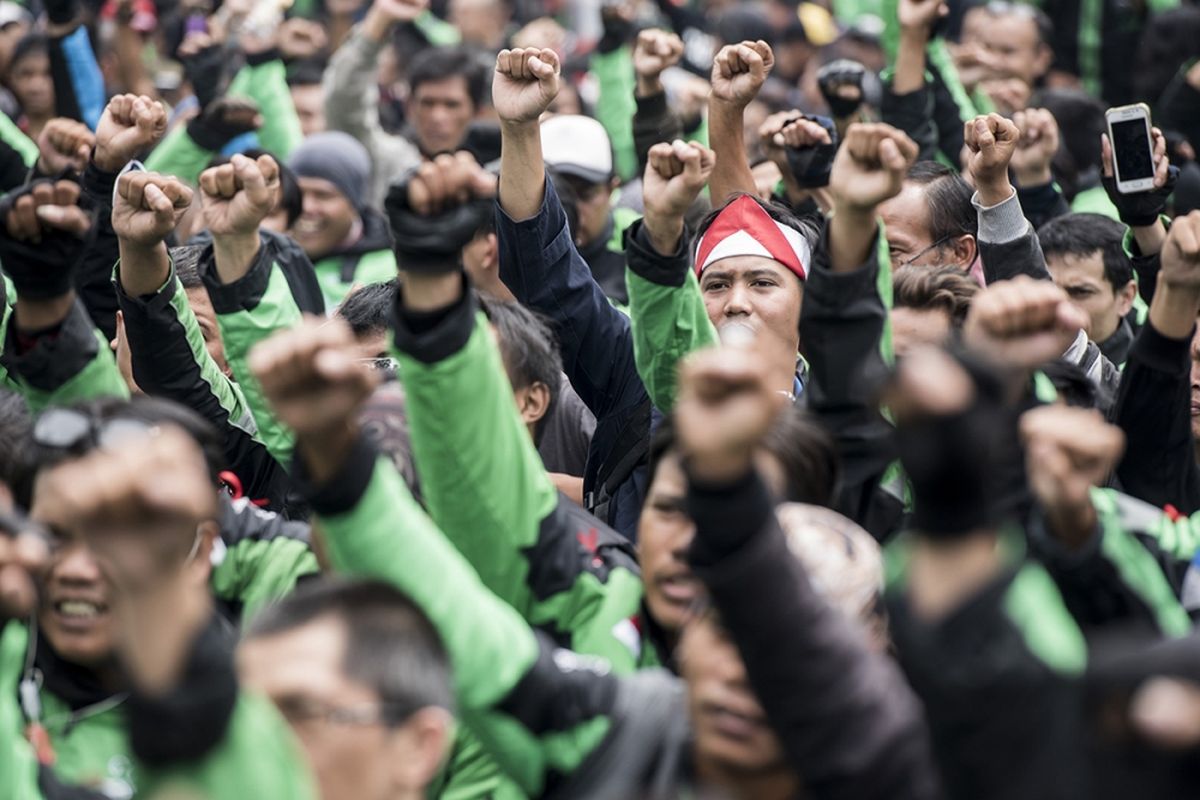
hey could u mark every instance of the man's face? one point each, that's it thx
(206, 318)
(1011, 41)
(310, 107)
(755, 293)
(728, 723)
(481, 22)
(917, 327)
(300, 670)
(906, 221)
(594, 204)
(664, 533)
(326, 220)
(441, 112)
(1082, 278)
(74, 615)
(30, 81)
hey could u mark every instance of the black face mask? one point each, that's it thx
(835, 75)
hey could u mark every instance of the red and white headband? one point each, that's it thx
(744, 228)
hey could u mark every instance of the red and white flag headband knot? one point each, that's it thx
(744, 228)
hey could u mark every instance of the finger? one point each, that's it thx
(158, 202)
(208, 182)
(432, 177)
(71, 219)
(891, 157)
(502, 63)
(134, 188)
(22, 219)
(226, 181)
(66, 193)
(179, 193)
(269, 168)
(252, 181)
(1106, 158)
(43, 194)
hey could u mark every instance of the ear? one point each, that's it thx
(201, 564)
(419, 747)
(964, 250)
(533, 402)
(1043, 59)
(491, 253)
(1125, 297)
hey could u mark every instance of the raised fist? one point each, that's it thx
(1181, 253)
(1036, 148)
(675, 175)
(920, 15)
(1022, 323)
(739, 71)
(311, 377)
(236, 197)
(131, 125)
(726, 406)
(64, 144)
(448, 181)
(47, 206)
(525, 83)
(147, 207)
(655, 52)
(870, 166)
(991, 141)
(1067, 452)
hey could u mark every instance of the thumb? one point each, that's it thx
(251, 179)
(891, 157)
(984, 137)
(69, 219)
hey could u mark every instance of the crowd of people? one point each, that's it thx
(473, 399)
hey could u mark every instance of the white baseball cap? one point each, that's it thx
(578, 146)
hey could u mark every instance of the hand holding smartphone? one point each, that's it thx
(1132, 147)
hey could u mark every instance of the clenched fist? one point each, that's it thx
(236, 197)
(870, 166)
(147, 207)
(130, 125)
(991, 141)
(525, 83)
(739, 71)
(1022, 323)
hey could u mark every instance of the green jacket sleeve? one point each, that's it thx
(18, 141)
(266, 84)
(616, 105)
(254, 572)
(485, 487)
(666, 311)
(258, 758)
(75, 365)
(179, 155)
(492, 652)
(18, 766)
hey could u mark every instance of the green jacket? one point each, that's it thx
(485, 487)
(266, 84)
(615, 106)
(338, 274)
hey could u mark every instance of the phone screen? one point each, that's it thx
(1131, 147)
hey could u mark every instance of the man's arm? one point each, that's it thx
(1008, 245)
(738, 73)
(51, 350)
(352, 92)
(666, 309)
(1153, 404)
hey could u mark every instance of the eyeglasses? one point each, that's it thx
(300, 711)
(912, 259)
(75, 432)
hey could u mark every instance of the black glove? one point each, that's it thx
(431, 243)
(224, 120)
(40, 270)
(811, 165)
(617, 29)
(1142, 208)
(952, 460)
(835, 74)
(205, 71)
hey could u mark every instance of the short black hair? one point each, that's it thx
(529, 349)
(1082, 235)
(306, 71)
(141, 408)
(391, 646)
(802, 447)
(186, 260)
(28, 45)
(947, 199)
(368, 309)
(439, 63)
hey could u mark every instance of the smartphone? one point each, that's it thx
(1132, 146)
